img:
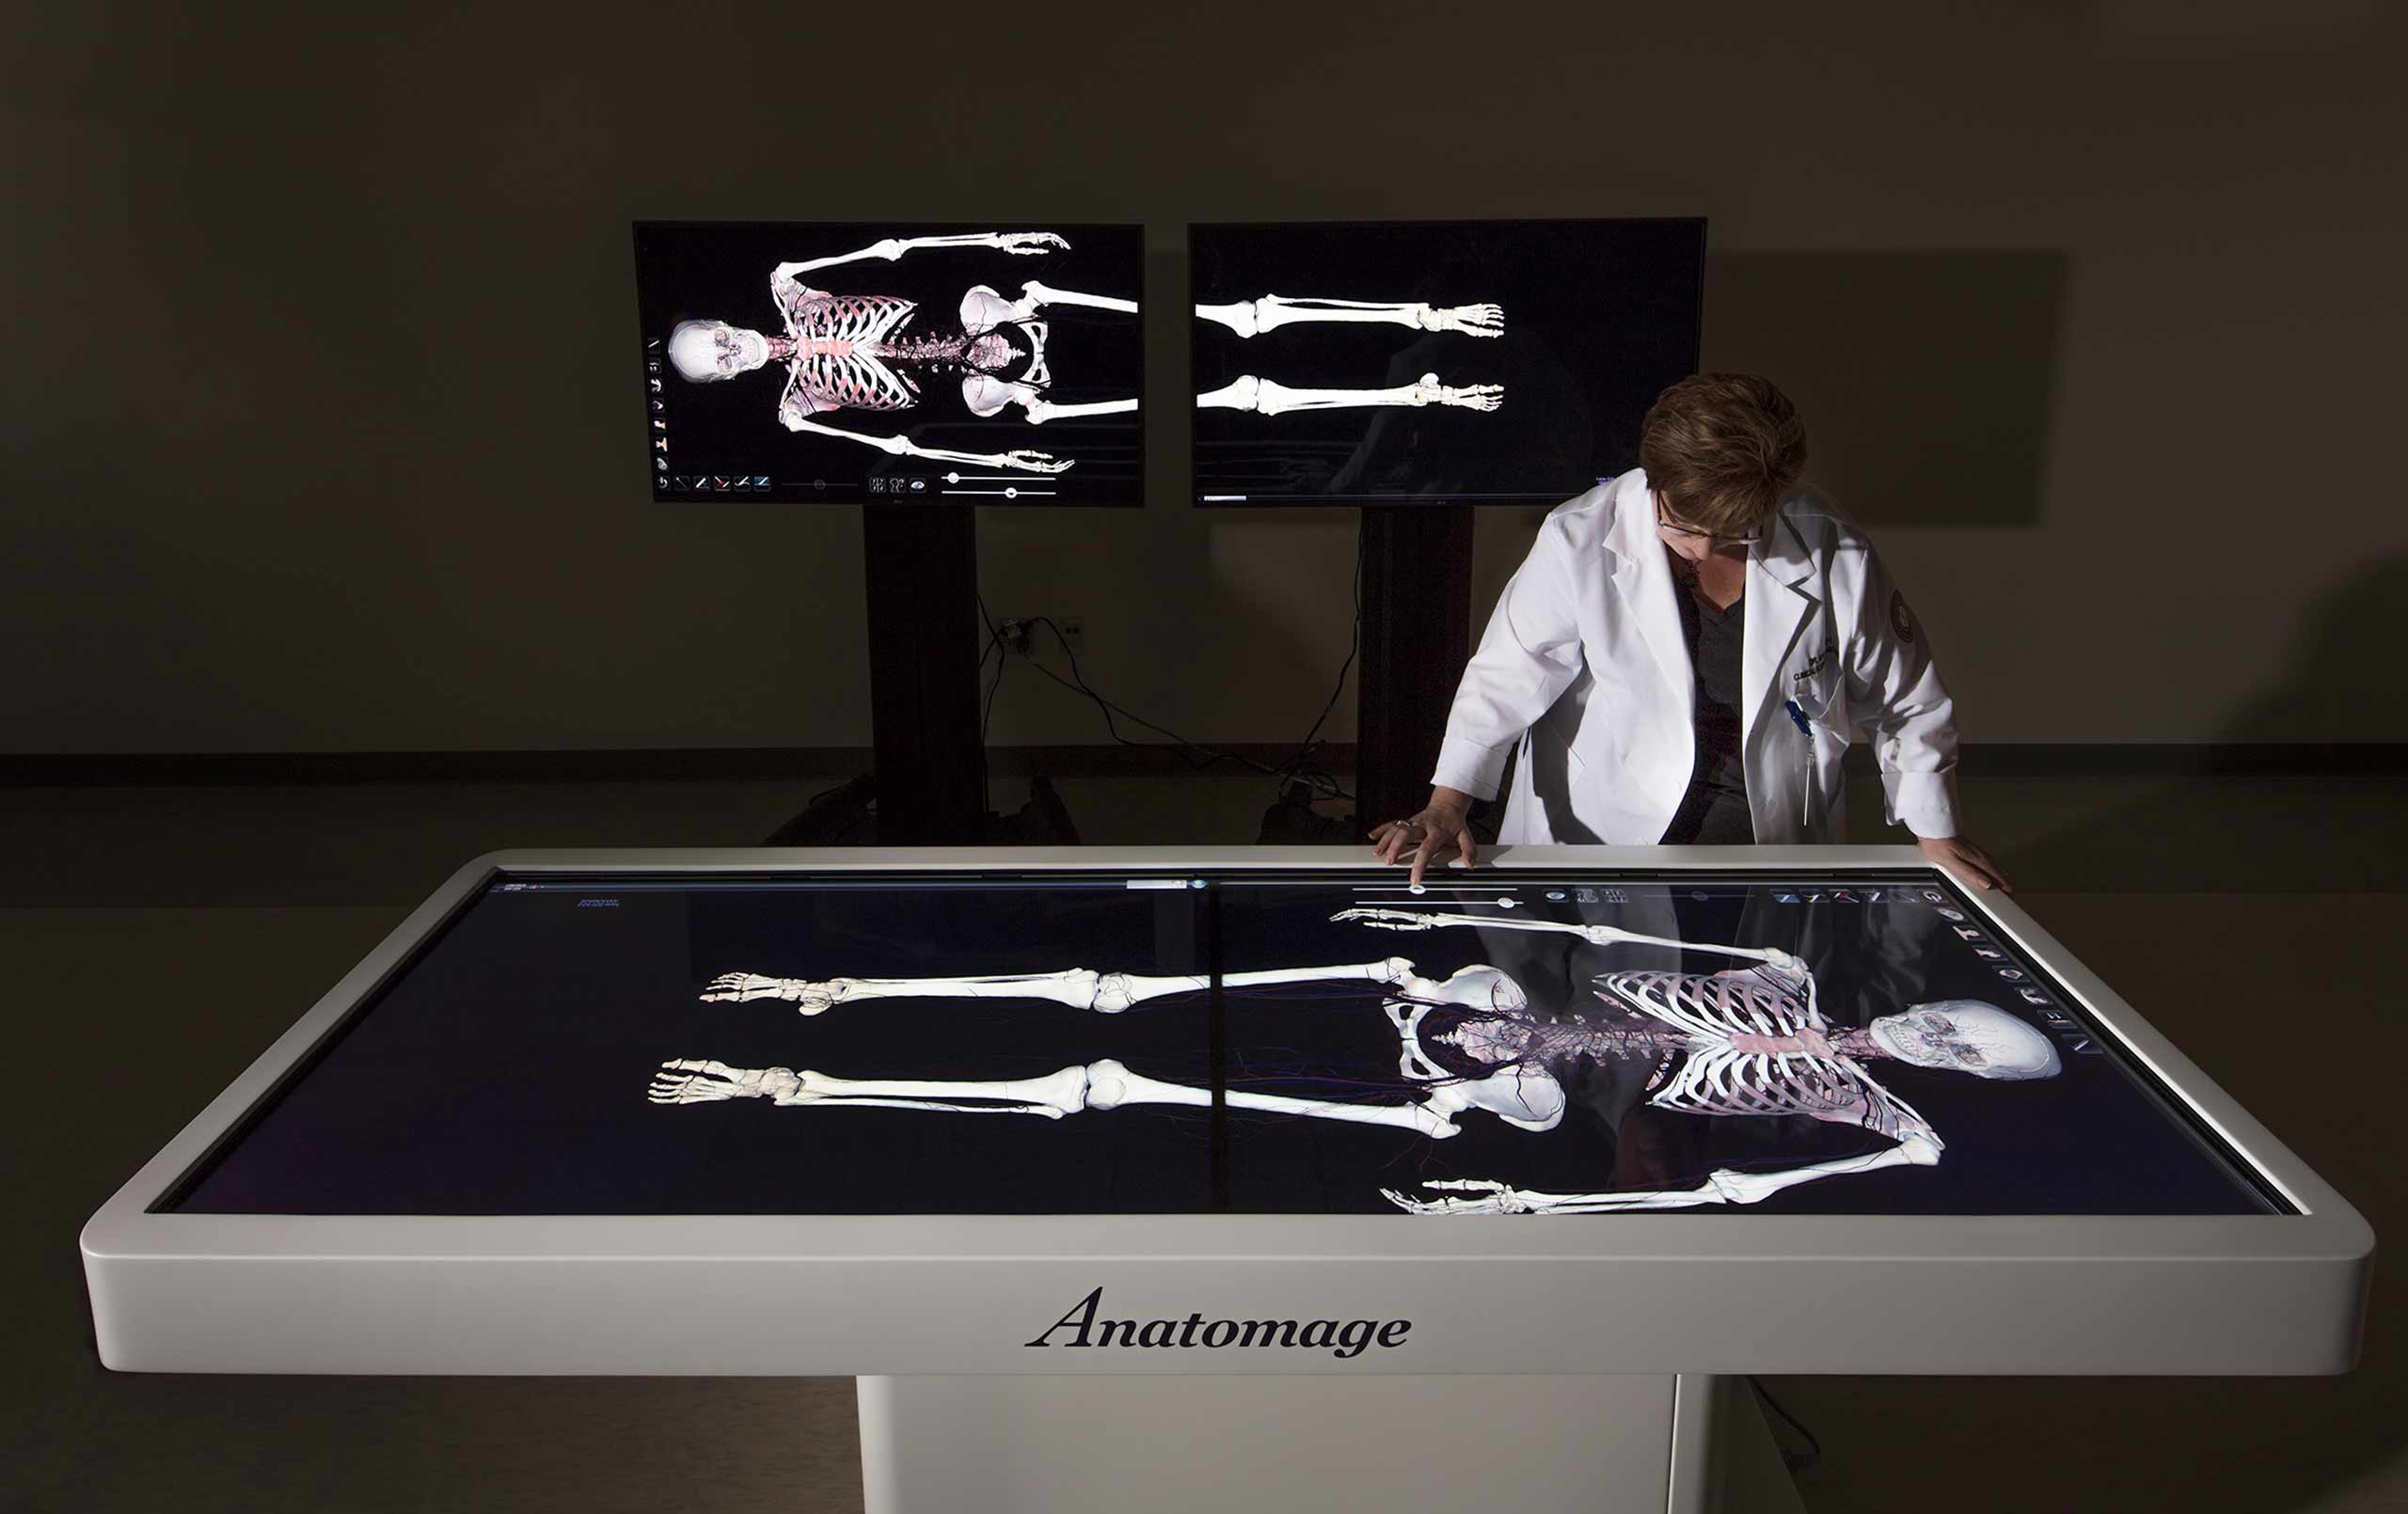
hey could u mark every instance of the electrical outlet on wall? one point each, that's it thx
(1030, 637)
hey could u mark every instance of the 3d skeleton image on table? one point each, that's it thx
(859, 353)
(1747, 1040)
(1271, 1127)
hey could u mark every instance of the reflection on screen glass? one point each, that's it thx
(1524, 1045)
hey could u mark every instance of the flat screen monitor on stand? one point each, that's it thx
(1414, 370)
(915, 370)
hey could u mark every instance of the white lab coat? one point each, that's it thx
(1584, 669)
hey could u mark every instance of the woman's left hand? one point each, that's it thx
(1965, 860)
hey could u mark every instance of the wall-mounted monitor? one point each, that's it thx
(1434, 362)
(878, 363)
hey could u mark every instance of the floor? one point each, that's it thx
(156, 938)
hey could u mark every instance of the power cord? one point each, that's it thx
(1795, 1461)
(1197, 757)
(996, 650)
(1299, 765)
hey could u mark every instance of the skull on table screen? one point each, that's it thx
(1966, 1035)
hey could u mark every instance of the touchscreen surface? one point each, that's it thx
(1520, 1044)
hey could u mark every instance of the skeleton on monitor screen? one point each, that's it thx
(1745, 1042)
(863, 352)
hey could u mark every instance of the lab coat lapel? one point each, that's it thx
(1644, 580)
(1781, 603)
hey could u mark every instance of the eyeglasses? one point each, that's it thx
(1667, 522)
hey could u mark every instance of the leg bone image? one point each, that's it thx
(1265, 397)
(1746, 1042)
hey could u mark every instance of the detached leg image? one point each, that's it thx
(1265, 397)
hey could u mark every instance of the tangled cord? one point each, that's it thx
(1197, 757)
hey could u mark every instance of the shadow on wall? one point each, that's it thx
(2250, 823)
(1924, 378)
(2344, 677)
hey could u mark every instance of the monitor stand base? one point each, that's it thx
(1231, 1444)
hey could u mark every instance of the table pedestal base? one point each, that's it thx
(1236, 1445)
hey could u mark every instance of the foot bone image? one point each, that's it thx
(1747, 1042)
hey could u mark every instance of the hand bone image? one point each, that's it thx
(1745, 1043)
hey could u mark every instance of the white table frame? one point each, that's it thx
(905, 1297)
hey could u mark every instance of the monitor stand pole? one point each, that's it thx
(1417, 637)
(922, 581)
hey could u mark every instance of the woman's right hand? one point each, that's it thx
(1443, 824)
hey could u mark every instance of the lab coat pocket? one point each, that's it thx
(1551, 770)
(1568, 731)
(1815, 686)
(1599, 751)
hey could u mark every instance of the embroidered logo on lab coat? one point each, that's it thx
(1900, 621)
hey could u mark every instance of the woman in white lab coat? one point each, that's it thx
(1683, 656)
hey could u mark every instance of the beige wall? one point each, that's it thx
(321, 427)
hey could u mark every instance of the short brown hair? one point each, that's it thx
(1724, 448)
